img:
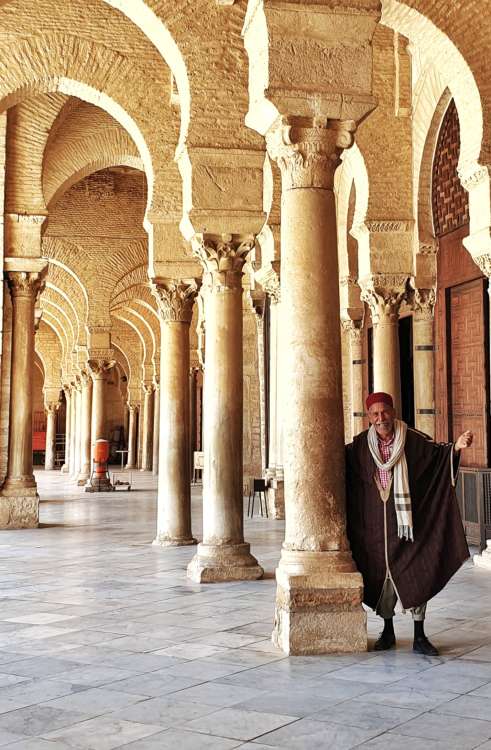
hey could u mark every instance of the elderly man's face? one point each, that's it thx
(382, 416)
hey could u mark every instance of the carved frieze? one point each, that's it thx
(175, 298)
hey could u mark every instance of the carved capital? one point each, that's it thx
(147, 388)
(484, 263)
(175, 298)
(423, 303)
(474, 178)
(308, 151)
(270, 282)
(355, 330)
(384, 294)
(223, 258)
(100, 362)
(52, 406)
(26, 283)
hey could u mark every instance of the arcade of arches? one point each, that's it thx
(225, 221)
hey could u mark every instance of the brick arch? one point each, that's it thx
(424, 25)
(127, 317)
(60, 63)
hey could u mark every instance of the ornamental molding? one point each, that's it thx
(223, 258)
(308, 152)
(175, 298)
(382, 227)
(484, 263)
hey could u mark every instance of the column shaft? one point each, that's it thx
(73, 432)
(147, 430)
(156, 431)
(424, 376)
(386, 362)
(50, 455)
(131, 464)
(68, 423)
(357, 364)
(85, 429)
(174, 493)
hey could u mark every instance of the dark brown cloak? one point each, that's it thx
(420, 569)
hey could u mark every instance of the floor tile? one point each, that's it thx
(103, 733)
(239, 724)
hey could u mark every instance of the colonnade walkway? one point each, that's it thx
(104, 643)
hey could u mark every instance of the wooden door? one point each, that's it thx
(467, 366)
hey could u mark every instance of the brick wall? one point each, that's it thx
(449, 199)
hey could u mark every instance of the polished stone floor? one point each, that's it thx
(105, 644)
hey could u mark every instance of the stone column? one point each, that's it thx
(85, 429)
(175, 300)
(68, 423)
(19, 501)
(223, 555)
(319, 591)
(147, 427)
(50, 455)
(156, 430)
(384, 295)
(274, 471)
(98, 368)
(73, 430)
(356, 335)
(424, 360)
(132, 409)
(77, 463)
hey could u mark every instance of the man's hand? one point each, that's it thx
(464, 440)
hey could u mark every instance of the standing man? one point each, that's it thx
(404, 524)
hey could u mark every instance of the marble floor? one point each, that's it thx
(105, 644)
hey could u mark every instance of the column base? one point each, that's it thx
(131, 467)
(82, 479)
(275, 497)
(163, 540)
(319, 604)
(484, 559)
(214, 563)
(99, 485)
(19, 511)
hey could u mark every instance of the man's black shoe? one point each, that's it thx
(423, 646)
(385, 641)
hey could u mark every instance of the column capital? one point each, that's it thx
(354, 328)
(308, 150)
(52, 406)
(423, 303)
(100, 361)
(484, 263)
(384, 294)
(147, 388)
(269, 279)
(223, 257)
(26, 283)
(175, 298)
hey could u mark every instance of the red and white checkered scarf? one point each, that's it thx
(398, 464)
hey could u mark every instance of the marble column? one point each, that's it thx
(131, 463)
(147, 427)
(19, 501)
(68, 423)
(356, 334)
(223, 554)
(319, 591)
(384, 294)
(423, 360)
(156, 430)
(85, 429)
(50, 454)
(175, 298)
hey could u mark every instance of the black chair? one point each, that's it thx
(257, 486)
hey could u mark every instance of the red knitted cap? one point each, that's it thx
(379, 398)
